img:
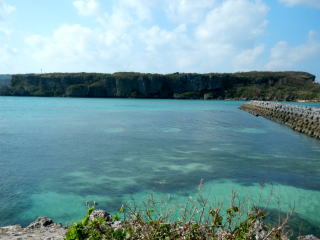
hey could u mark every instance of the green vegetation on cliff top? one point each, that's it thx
(247, 85)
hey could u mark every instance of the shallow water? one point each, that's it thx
(56, 153)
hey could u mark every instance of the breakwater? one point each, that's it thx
(303, 119)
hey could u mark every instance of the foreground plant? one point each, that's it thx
(147, 224)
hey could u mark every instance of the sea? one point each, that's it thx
(59, 155)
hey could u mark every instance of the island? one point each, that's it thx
(280, 86)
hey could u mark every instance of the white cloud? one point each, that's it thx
(86, 7)
(4, 29)
(310, 3)
(284, 56)
(248, 59)
(234, 21)
(8, 56)
(139, 8)
(7, 52)
(70, 47)
(229, 29)
(188, 11)
(5, 11)
(127, 38)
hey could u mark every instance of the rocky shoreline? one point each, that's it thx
(43, 228)
(303, 119)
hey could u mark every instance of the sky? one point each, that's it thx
(159, 36)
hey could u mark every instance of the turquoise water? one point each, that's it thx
(56, 153)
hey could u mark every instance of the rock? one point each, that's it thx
(40, 222)
(100, 214)
(224, 234)
(208, 96)
(79, 90)
(116, 225)
(259, 230)
(42, 228)
(14, 228)
(187, 95)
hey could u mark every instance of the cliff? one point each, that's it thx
(250, 85)
(5, 80)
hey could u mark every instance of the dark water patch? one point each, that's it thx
(296, 226)
(11, 206)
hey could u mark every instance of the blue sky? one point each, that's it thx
(159, 35)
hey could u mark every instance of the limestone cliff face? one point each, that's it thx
(5, 80)
(251, 85)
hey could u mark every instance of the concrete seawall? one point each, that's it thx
(303, 119)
